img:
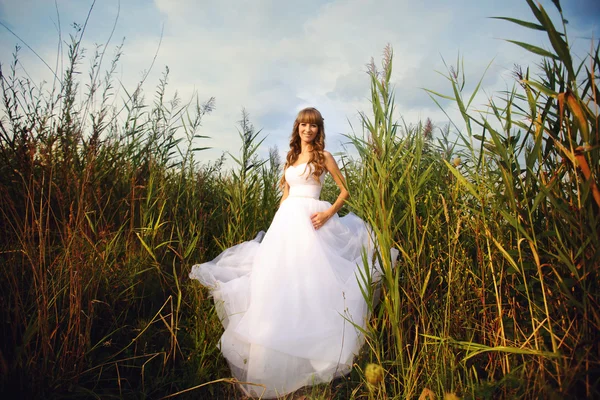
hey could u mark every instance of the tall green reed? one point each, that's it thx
(103, 208)
(398, 197)
(251, 191)
(494, 291)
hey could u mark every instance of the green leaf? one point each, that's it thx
(479, 83)
(462, 180)
(145, 245)
(559, 45)
(506, 255)
(526, 24)
(439, 94)
(536, 85)
(557, 4)
(534, 49)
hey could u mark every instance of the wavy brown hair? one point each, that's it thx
(308, 115)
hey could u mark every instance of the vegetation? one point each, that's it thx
(104, 209)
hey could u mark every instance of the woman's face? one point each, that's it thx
(308, 132)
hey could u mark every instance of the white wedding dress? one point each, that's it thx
(289, 299)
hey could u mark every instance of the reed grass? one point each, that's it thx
(105, 206)
(494, 291)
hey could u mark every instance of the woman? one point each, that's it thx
(290, 300)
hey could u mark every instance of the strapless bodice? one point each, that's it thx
(301, 181)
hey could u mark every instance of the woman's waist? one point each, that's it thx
(312, 191)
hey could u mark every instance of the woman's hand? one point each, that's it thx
(319, 219)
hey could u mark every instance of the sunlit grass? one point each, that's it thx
(494, 292)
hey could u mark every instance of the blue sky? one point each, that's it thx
(275, 57)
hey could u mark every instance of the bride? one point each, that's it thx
(290, 300)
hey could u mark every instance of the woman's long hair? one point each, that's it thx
(308, 115)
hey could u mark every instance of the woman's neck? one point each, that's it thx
(306, 148)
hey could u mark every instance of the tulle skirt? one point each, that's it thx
(290, 300)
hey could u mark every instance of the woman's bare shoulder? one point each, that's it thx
(330, 163)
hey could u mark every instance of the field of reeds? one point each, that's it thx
(105, 205)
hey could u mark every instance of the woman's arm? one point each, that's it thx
(337, 176)
(319, 219)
